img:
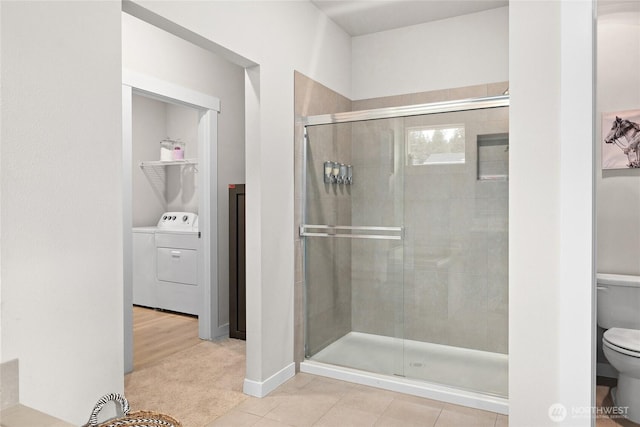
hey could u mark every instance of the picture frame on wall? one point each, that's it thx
(621, 139)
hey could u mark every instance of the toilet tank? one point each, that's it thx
(618, 301)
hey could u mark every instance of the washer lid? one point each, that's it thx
(149, 230)
(628, 339)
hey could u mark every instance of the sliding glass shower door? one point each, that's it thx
(353, 245)
(405, 225)
(456, 249)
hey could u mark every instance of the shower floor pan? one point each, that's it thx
(473, 378)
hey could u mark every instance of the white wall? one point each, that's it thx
(462, 51)
(151, 51)
(149, 127)
(61, 205)
(618, 201)
(182, 189)
(279, 37)
(550, 201)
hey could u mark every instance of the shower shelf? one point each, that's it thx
(493, 157)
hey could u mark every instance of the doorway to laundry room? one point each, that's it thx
(181, 152)
(170, 217)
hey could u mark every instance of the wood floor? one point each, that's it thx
(158, 334)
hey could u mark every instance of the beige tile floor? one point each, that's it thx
(305, 400)
(308, 400)
(23, 416)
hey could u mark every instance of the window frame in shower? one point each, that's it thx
(451, 160)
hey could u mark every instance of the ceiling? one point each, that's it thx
(359, 17)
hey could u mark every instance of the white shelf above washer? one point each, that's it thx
(155, 163)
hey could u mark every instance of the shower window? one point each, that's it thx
(434, 145)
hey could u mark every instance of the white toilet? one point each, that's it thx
(618, 307)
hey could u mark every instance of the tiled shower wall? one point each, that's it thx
(448, 282)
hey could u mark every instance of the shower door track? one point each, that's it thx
(408, 110)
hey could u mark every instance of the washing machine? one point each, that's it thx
(165, 264)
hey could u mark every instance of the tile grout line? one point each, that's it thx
(435, 423)
(386, 408)
(326, 412)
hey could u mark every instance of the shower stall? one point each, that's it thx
(405, 237)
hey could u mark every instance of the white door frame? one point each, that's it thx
(208, 107)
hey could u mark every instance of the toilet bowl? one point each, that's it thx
(622, 349)
(618, 308)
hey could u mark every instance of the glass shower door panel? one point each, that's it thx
(455, 259)
(353, 247)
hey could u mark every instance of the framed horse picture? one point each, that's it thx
(621, 140)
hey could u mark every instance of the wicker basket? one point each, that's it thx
(129, 419)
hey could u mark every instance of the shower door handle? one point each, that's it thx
(351, 232)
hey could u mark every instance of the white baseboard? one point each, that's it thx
(261, 389)
(221, 332)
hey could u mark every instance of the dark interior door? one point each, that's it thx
(237, 263)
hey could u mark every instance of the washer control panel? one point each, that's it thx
(187, 221)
